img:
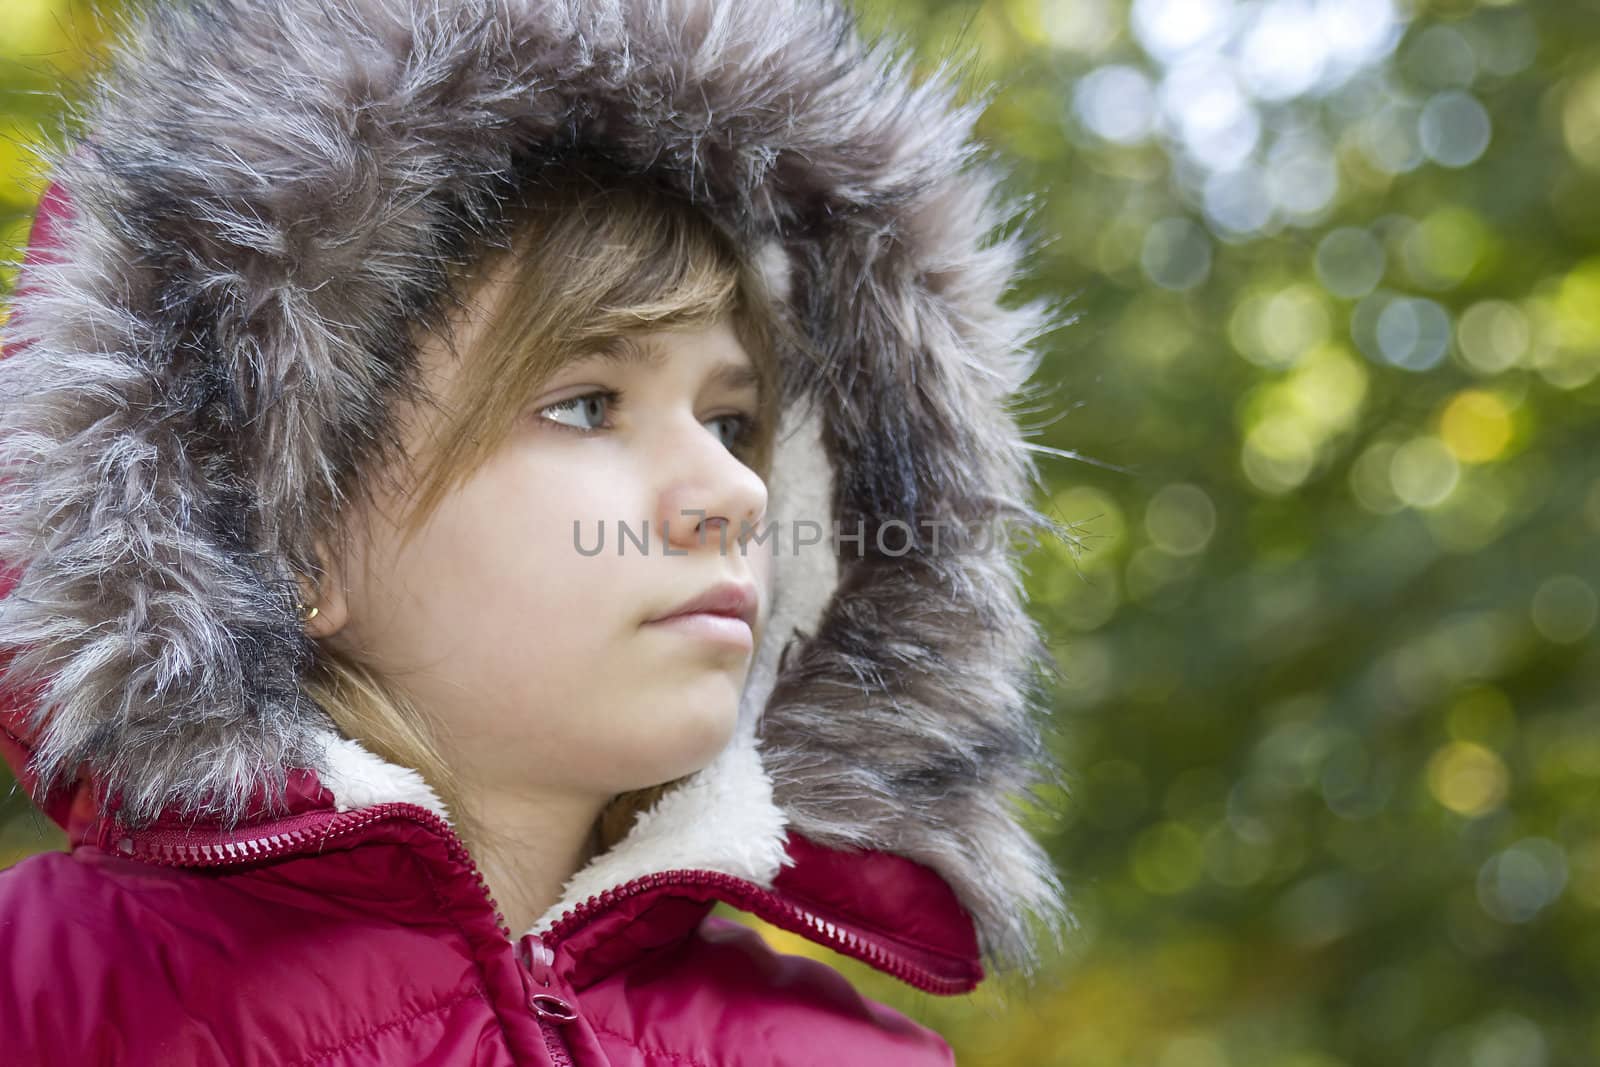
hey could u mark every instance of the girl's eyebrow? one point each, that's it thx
(629, 351)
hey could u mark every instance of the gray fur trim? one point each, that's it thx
(273, 186)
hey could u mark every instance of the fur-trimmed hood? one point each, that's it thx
(258, 191)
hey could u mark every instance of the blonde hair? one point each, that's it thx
(591, 262)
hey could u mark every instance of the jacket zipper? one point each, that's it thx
(316, 828)
(556, 1045)
(553, 1012)
(772, 908)
(296, 833)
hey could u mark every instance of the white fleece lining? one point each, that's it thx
(359, 778)
(720, 819)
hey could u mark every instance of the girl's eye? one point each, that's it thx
(739, 434)
(742, 431)
(586, 406)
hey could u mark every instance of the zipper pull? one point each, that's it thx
(551, 1007)
(539, 959)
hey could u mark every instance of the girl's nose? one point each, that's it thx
(720, 502)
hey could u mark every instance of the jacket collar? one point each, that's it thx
(897, 915)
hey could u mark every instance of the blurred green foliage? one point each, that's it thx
(1329, 637)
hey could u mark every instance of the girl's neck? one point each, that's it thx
(529, 846)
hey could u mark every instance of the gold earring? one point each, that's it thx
(300, 609)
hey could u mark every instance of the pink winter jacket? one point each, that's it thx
(209, 328)
(365, 936)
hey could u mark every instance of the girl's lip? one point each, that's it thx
(721, 628)
(738, 599)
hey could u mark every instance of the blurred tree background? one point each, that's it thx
(1329, 641)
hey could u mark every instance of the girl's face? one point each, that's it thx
(530, 650)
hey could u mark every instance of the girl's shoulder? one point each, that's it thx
(110, 960)
(69, 929)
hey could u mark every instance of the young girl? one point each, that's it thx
(484, 481)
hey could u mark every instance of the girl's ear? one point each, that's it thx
(330, 601)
